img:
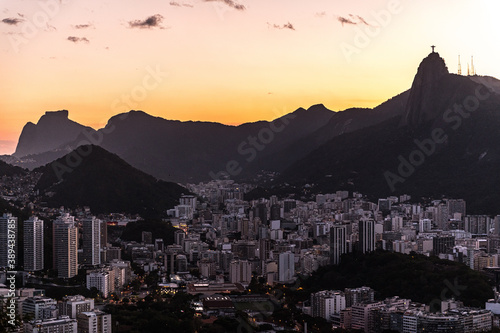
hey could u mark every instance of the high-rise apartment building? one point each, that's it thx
(33, 244)
(91, 241)
(338, 244)
(286, 267)
(366, 236)
(65, 246)
(8, 240)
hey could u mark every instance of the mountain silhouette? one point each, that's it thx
(10, 170)
(439, 138)
(52, 132)
(91, 176)
(421, 105)
(185, 151)
(447, 143)
(200, 151)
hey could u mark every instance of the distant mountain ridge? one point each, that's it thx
(199, 151)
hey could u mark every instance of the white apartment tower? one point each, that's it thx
(33, 244)
(286, 267)
(327, 303)
(65, 245)
(103, 280)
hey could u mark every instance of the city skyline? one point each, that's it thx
(229, 62)
(216, 244)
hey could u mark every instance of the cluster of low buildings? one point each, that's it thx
(356, 308)
(72, 314)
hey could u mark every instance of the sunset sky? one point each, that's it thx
(229, 61)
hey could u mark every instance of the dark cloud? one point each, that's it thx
(83, 26)
(78, 39)
(344, 20)
(352, 19)
(188, 5)
(173, 3)
(230, 3)
(284, 26)
(150, 22)
(362, 20)
(12, 20)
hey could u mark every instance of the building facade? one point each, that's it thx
(33, 244)
(65, 246)
(91, 241)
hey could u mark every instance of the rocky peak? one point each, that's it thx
(59, 114)
(419, 107)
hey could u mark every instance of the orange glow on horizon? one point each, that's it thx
(211, 62)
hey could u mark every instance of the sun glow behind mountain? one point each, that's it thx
(230, 62)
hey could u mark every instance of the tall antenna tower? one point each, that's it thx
(473, 72)
(459, 72)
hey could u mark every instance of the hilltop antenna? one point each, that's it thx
(459, 72)
(468, 71)
(473, 72)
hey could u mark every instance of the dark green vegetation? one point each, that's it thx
(10, 170)
(154, 315)
(91, 176)
(420, 278)
(6, 207)
(6, 321)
